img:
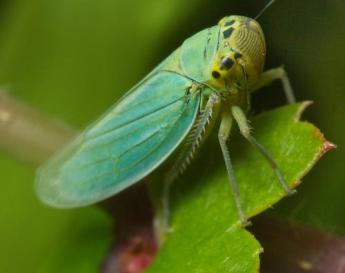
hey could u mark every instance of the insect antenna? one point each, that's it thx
(264, 9)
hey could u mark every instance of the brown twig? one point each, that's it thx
(28, 135)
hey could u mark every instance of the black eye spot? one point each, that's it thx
(227, 63)
(227, 33)
(237, 55)
(215, 74)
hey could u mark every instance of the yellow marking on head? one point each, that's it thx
(241, 51)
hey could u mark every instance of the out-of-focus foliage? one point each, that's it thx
(82, 245)
(83, 54)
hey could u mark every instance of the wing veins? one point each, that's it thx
(182, 112)
(137, 118)
(138, 162)
(125, 135)
(110, 156)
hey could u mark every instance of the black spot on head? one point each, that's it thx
(237, 55)
(215, 74)
(229, 23)
(226, 63)
(227, 33)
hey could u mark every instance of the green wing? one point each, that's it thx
(132, 139)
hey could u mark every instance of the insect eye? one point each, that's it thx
(237, 55)
(215, 74)
(226, 63)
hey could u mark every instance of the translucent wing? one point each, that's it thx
(125, 145)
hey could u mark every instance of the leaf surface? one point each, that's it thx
(207, 236)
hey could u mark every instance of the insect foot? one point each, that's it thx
(246, 223)
(290, 192)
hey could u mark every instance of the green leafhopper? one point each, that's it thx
(212, 74)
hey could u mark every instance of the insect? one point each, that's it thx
(212, 74)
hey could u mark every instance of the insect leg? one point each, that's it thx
(278, 73)
(223, 136)
(244, 127)
(191, 145)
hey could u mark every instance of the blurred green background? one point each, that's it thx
(72, 59)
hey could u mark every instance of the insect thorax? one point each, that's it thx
(240, 56)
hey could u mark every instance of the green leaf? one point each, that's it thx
(207, 236)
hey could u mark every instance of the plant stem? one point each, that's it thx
(28, 135)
